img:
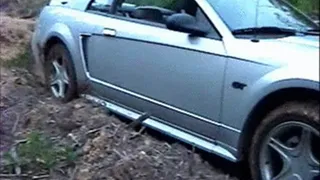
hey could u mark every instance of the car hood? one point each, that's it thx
(311, 41)
(293, 50)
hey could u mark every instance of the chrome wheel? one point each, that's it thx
(59, 79)
(290, 151)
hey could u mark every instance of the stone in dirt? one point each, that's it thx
(78, 106)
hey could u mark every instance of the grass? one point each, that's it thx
(39, 154)
(20, 61)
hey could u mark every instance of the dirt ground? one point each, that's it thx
(106, 146)
(14, 35)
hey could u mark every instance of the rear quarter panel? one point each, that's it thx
(66, 24)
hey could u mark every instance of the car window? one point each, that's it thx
(153, 12)
(157, 11)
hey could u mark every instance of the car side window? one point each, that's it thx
(153, 12)
(101, 6)
(157, 11)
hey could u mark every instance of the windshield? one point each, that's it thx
(241, 14)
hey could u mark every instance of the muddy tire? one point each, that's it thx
(59, 72)
(281, 142)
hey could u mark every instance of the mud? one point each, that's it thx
(107, 147)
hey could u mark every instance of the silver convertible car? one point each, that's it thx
(237, 78)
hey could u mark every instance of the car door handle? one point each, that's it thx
(109, 32)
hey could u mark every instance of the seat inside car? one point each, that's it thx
(148, 13)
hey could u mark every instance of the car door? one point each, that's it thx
(145, 66)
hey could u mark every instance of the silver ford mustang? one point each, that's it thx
(237, 78)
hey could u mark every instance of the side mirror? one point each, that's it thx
(185, 23)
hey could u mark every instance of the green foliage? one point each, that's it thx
(307, 6)
(37, 150)
(39, 153)
(20, 61)
(11, 162)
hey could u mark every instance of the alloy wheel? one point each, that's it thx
(59, 78)
(289, 152)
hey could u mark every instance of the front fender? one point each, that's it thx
(280, 79)
(283, 78)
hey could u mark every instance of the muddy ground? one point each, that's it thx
(106, 146)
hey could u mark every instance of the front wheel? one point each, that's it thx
(286, 145)
(60, 74)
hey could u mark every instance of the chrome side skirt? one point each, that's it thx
(167, 129)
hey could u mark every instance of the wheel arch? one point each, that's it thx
(61, 33)
(271, 101)
(53, 40)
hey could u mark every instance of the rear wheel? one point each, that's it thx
(287, 144)
(60, 74)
